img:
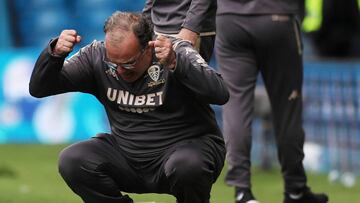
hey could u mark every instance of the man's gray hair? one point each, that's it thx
(135, 22)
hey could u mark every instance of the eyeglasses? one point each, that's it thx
(128, 65)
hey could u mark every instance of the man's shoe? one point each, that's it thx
(126, 199)
(244, 196)
(306, 196)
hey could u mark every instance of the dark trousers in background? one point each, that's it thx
(206, 46)
(271, 45)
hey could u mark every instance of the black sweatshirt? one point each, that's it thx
(157, 111)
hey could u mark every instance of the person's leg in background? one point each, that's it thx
(282, 74)
(280, 62)
(236, 60)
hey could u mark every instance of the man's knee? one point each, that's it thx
(185, 167)
(71, 160)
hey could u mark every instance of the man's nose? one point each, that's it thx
(121, 70)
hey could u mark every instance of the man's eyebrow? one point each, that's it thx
(134, 58)
(131, 60)
(116, 61)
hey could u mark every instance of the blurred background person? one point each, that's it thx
(333, 27)
(263, 36)
(339, 28)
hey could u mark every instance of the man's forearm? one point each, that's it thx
(45, 78)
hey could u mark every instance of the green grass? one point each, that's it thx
(28, 174)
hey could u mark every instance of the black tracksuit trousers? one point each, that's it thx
(98, 170)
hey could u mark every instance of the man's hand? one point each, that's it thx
(189, 35)
(164, 51)
(66, 42)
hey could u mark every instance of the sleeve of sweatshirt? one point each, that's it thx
(194, 73)
(54, 75)
(196, 15)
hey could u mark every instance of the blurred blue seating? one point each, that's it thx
(91, 27)
(38, 28)
(39, 5)
(40, 20)
(5, 35)
(96, 4)
(132, 5)
(89, 17)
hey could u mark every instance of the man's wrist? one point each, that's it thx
(52, 49)
(172, 65)
(187, 34)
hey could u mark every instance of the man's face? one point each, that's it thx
(127, 56)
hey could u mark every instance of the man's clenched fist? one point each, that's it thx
(66, 42)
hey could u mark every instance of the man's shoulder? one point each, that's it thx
(94, 49)
(95, 45)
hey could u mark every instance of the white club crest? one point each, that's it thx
(154, 72)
